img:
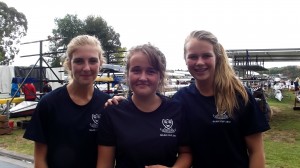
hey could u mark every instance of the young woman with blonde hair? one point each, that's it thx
(65, 123)
(224, 120)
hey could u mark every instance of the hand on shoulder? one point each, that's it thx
(114, 101)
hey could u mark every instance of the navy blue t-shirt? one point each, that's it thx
(143, 138)
(69, 130)
(218, 140)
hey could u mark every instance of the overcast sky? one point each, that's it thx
(238, 24)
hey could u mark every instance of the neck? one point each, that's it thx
(80, 95)
(205, 88)
(146, 103)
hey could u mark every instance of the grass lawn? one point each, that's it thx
(282, 142)
(15, 141)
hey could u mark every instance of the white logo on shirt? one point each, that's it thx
(221, 118)
(167, 123)
(95, 119)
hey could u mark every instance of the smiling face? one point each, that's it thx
(84, 65)
(143, 79)
(200, 60)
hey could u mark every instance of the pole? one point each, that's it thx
(108, 84)
(41, 66)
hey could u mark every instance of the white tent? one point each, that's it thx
(8, 72)
(6, 75)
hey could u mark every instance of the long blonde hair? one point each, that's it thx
(226, 85)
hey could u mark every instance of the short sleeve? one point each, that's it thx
(254, 120)
(37, 128)
(184, 138)
(106, 135)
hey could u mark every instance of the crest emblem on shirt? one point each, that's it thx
(221, 118)
(95, 119)
(167, 123)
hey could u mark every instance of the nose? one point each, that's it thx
(199, 61)
(143, 76)
(86, 66)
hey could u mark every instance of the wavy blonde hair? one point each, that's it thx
(226, 85)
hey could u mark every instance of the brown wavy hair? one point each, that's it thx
(156, 59)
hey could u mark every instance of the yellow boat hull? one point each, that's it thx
(15, 100)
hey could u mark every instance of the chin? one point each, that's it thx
(201, 78)
(143, 94)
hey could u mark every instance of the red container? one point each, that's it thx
(11, 124)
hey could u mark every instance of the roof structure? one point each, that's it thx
(254, 59)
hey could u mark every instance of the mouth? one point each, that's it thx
(141, 85)
(200, 70)
(86, 76)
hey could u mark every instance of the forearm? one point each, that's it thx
(106, 157)
(184, 159)
(256, 160)
(256, 150)
(40, 164)
(40, 152)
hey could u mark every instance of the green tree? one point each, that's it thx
(117, 57)
(71, 26)
(13, 26)
(290, 72)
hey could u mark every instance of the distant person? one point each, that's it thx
(296, 84)
(269, 85)
(47, 87)
(15, 91)
(65, 123)
(29, 91)
(192, 81)
(116, 92)
(118, 89)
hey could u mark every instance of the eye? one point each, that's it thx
(192, 56)
(93, 61)
(207, 55)
(78, 61)
(135, 70)
(151, 71)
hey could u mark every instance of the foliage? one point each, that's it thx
(13, 26)
(117, 57)
(71, 26)
(291, 72)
